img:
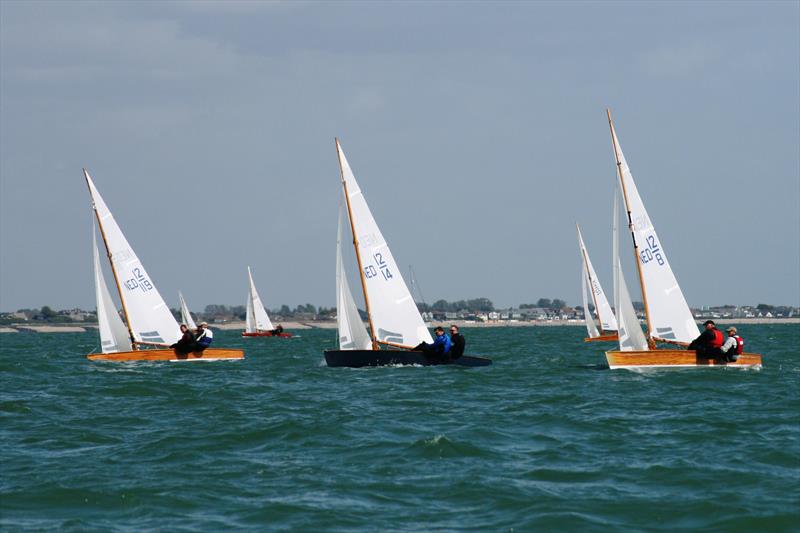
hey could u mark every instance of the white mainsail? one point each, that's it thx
(114, 336)
(257, 318)
(148, 315)
(186, 315)
(394, 314)
(352, 332)
(669, 315)
(630, 332)
(591, 328)
(602, 307)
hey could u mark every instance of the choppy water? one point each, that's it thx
(545, 439)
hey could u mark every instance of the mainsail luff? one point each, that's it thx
(110, 262)
(114, 336)
(668, 315)
(355, 246)
(394, 317)
(148, 317)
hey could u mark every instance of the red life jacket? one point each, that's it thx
(718, 340)
(739, 345)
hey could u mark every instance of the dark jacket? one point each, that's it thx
(458, 345)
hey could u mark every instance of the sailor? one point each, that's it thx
(710, 341)
(277, 331)
(734, 345)
(441, 344)
(457, 350)
(186, 343)
(204, 337)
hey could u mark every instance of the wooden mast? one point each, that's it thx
(589, 275)
(375, 345)
(134, 344)
(650, 342)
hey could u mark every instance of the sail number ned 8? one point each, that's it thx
(652, 251)
(371, 271)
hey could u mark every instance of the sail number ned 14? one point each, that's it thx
(371, 271)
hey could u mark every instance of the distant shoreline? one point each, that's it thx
(329, 324)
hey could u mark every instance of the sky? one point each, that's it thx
(477, 131)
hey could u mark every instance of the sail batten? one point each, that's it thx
(393, 315)
(149, 317)
(665, 304)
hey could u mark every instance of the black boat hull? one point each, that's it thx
(361, 358)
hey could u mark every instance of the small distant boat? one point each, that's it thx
(149, 327)
(186, 315)
(668, 317)
(605, 316)
(394, 320)
(257, 322)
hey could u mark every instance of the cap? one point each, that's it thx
(204, 324)
(731, 329)
(707, 322)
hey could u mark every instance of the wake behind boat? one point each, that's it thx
(667, 314)
(149, 327)
(395, 324)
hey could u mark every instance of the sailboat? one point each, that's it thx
(668, 317)
(395, 324)
(590, 284)
(149, 328)
(257, 322)
(186, 316)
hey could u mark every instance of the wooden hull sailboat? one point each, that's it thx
(395, 323)
(607, 332)
(668, 317)
(168, 354)
(257, 322)
(149, 327)
(671, 358)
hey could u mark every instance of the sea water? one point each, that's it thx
(545, 439)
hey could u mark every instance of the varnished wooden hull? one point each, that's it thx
(362, 358)
(168, 354)
(612, 337)
(284, 335)
(675, 359)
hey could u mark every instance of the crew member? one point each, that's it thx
(710, 341)
(457, 350)
(186, 343)
(204, 337)
(441, 344)
(277, 331)
(734, 345)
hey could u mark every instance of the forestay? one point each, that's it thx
(602, 307)
(669, 315)
(186, 315)
(630, 332)
(394, 313)
(257, 318)
(148, 315)
(114, 336)
(352, 332)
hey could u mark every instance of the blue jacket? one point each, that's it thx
(442, 343)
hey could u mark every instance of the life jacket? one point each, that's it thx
(739, 345)
(718, 340)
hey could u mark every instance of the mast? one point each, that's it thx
(589, 276)
(134, 344)
(651, 343)
(375, 345)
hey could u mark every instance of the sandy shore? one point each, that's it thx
(295, 326)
